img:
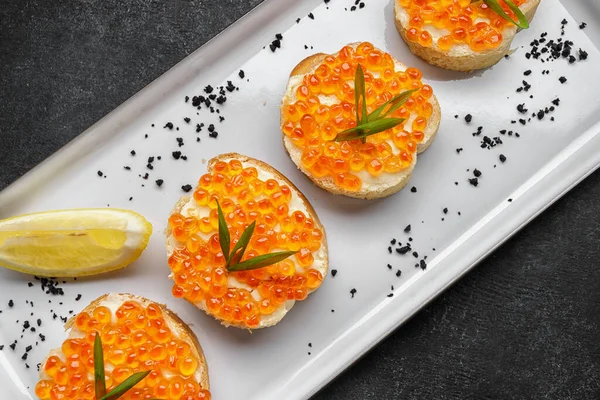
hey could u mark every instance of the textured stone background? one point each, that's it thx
(524, 324)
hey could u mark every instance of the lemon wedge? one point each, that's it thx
(72, 243)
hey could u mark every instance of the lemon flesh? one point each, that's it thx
(72, 243)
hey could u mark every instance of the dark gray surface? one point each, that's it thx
(523, 324)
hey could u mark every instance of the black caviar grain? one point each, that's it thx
(100, 173)
(477, 172)
(159, 182)
(521, 108)
(241, 74)
(168, 125)
(407, 229)
(176, 155)
(353, 292)
(187, 120)
(468, 118)
(474, 181)
(333, 272)
(398, 273)
(562, 79)
(11, 303)
(413, 189)
(132, 152)
(403, 250)
(502, 158)
(275, 44)
(582, 25)
(186, 188)
(311, 16)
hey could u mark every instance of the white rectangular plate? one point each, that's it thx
(547, 160)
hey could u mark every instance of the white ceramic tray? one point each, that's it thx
(546, 161)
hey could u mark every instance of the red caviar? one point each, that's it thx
(135, 338)
(475, 25)
(324, 106)
(197, 262)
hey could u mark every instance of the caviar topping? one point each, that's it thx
(477, 25)
(323, 106)
(197, 262)
(136, 338)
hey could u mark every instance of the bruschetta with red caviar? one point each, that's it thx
(462, 35)
(354, 121)
(122, 341)
(247, 245)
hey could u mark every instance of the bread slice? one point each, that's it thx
(461, 57)
(386, 184)
(113, 301)
(298, 202)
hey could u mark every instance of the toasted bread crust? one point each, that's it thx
(308, 65)
(464, 59)
(285, 307)
(182, 330)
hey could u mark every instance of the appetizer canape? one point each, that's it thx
(125, 346)
(72, 243)
(247, 245)
(355, 120)
(462, 35)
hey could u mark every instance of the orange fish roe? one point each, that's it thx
(198, 264)
(135, 338)
(463, 23)
(324, 106)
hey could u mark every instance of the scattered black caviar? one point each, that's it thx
(276, 44)
(159, 182)
(186, 188)
(333, 272)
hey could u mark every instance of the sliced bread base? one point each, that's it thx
(461, 57)
(393, 182)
